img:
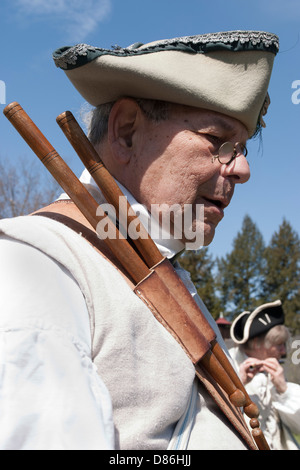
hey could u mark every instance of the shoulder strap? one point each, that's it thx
(66, 212)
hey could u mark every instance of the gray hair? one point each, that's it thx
(277, 335)
(154, 110)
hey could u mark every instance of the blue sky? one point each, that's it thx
(32, 29)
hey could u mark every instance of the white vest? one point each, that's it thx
(147, 373)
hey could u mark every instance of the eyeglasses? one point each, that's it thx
(229, 151)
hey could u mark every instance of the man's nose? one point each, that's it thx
(238, 169)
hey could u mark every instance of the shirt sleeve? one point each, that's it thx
(51, 396)
(287, 405)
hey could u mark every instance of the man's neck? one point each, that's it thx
(166, 243)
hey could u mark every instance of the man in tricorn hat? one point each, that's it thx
(260, 337)
(87, 365)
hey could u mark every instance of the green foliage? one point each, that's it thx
(282, 277)
(251, 274)
(240, 272)
(201, 265)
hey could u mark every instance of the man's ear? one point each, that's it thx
(122, 126)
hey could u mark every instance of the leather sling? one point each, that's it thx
(154, 294)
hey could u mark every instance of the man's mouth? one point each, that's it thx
(220, 203)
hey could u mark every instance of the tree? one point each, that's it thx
(24, 188)
(200, 265)
(282, 275)
(240, 272)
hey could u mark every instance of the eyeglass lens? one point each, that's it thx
(229, 150)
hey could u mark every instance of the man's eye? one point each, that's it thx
(212, 137)
(215, 140)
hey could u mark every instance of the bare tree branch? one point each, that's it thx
(24, 187)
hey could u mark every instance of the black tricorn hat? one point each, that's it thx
(248, 325)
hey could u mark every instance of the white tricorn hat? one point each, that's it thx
(227, 72)
(248, 325)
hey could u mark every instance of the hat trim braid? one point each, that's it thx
(68, 58)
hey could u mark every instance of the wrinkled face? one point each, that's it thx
(175, 166)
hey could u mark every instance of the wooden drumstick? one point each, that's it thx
(110, 189)
(152, 256)
(145, 245)
(72, 186)
(134, 265)
(119, 246)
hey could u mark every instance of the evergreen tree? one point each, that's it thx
(240, 272)
(282, 275)
(200, 265)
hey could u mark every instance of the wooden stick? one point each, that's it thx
(258, 435)
(74, 188)
(148, 250)
(111, 191)
(90, 209)
(119, 246)
(249, 407)
(145, 245)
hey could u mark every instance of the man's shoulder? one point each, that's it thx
(62, 232)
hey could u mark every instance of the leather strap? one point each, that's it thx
(66, 212)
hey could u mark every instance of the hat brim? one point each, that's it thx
(243, 329)
(229, 78)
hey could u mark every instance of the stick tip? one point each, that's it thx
(260, 439)
(64, 117)
(11, 108)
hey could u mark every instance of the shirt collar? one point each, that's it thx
(165, 242)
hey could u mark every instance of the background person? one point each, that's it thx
(260, 337)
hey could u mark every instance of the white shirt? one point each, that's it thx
(45, 344)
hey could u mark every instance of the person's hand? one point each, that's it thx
(272, 367)
(249, 368)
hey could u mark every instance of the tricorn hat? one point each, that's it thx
(226, 72)
(248, 325)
